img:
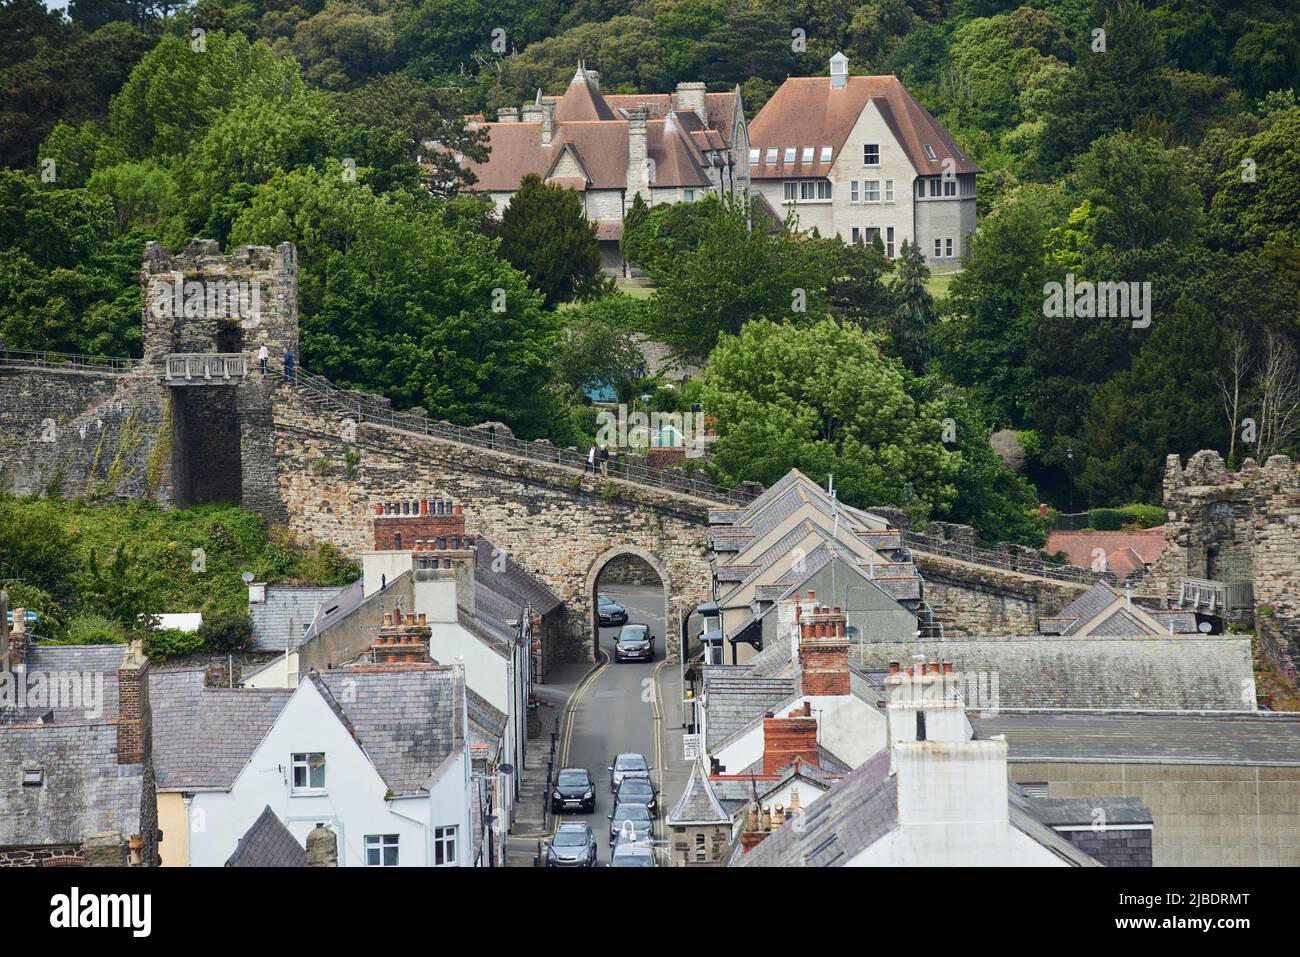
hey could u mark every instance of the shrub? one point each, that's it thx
(94, 629)
(1114, 519)
(170, 642)
(225, 630)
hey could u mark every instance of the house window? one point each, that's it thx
(688, 195)
(826, 154)
(950, 187)
(889, 191)
(791, 191)
(936, 185)
(444, 846)
(889, 241)
(808, 153)
(871, 154)
(857, 236)
(938, 249)
(381, 850)
(771, 155)
(929, 151)
(789, 154)
(920, 189)
(853, 191)
(947, 248)
(701, 852)
(33, 777)
(823, 189)
(309, 771)
(871, 190)
(754, 152)
(807, 190)
(869, 235)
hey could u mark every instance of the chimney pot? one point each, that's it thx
(812, 596)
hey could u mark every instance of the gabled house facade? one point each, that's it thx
(665, 147)
(379, 754)
(858, 157)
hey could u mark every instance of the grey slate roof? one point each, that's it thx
(1021, 817)
(732, 703)
(84, 790)
(698, 804)
(204, 737)
(408, 721)
(282, 620)
(853, 815)
(1184, 672)
(75, 657)
(1090, 604)
(487, 725)
(1056, 812)
(1260, 739)
(512, 582)
(268, 843)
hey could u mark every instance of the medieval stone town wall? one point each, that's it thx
(1237, 527)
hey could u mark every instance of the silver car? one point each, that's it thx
(629, 854)
(628, 765)
(632, 822)
(574, 845)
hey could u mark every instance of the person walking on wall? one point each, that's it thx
(591, 458)
(288, 363)
(263, 354)
(604, 460)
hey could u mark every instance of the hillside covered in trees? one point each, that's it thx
(1120, 140)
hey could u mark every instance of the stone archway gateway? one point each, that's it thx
(670, 638)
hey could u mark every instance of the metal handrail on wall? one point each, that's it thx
(370, 409)
(67, 360)
(998, 559)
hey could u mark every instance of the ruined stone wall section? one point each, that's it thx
(1237, 527)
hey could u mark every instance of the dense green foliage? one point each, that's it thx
(1135, 141)
(93, 571)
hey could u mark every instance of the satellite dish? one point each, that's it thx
(852, 632)
(1204, 627)
(247, 577)
(506, 769)
(316, 761)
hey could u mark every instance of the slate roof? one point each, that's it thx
(268, 843)
(1075, 811)
(732, 703)
(204, 737)
(407, 720)
(1183, 672)
(698, 804)
(808, 111)
(512, 581)
(75, 657)
(487, 724)
(1261, 739)
(84, 790)
(282, 620)
(853, 815)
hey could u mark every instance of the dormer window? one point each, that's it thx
(808, 152)
(839, 71)
(789, 154)
(929, 151)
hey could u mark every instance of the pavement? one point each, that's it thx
(606, 710)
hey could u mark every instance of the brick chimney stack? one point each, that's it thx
(823, 650)
(134, 723)
(789, 739)
(403, 639)
(437, 523)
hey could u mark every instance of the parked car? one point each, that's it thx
(574, 845)
(610, 611)
(632, 820)
(627, 765)
(636, 791)
(574, 790)
(628, 854)
(634, 643)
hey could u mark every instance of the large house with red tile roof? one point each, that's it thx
(667, 147)
(859, 157)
